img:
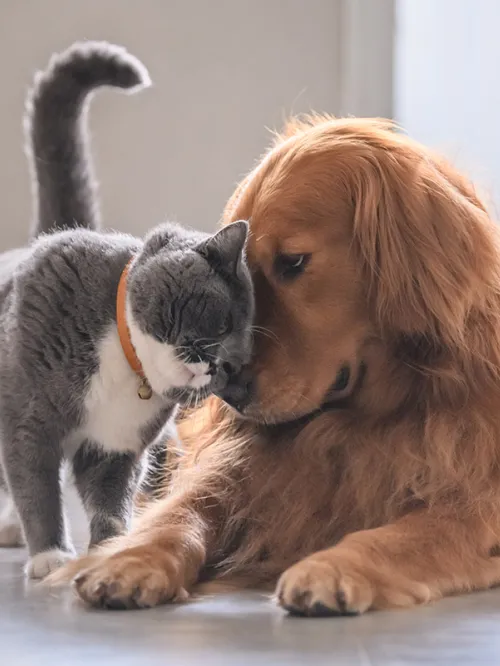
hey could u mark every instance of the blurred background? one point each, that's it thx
(227, 71)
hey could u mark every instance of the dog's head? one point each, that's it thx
(362, 243)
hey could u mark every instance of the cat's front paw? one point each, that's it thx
(42, 564)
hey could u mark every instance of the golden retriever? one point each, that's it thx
(362, 470)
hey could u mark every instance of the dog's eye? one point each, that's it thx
(342, 379)
(289, 266)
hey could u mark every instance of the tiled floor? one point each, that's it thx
(38, 627)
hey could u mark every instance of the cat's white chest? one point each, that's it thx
(114, 413)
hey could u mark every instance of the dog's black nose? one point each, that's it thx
(237, 393)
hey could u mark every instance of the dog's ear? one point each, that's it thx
(231, 211)
(426, 244)
(293, 127)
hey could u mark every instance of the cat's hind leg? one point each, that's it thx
(11, 533)
(106, 482)
(31, 465)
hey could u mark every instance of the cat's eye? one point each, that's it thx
(290, 266)
(226, 328)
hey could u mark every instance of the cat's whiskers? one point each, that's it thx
(219, 344)
(209, 346)
(267, 332)
(211, 357)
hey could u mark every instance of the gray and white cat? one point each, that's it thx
(67, 391)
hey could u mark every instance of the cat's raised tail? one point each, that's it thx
(57, 145)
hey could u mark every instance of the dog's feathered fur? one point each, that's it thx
(394, 499)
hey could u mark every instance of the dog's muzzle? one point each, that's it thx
(237, 392)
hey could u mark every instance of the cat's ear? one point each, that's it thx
(225, 249)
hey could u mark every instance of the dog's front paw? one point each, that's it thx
(319, 588)
(140, 577)
(338, 582)
(42, 564)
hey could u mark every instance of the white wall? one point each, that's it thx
(447, 81)
(224, 70)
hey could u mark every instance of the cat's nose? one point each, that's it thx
(237, 393)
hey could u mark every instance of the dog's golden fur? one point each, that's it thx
(393, 499)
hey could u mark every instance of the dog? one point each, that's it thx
(358, 464)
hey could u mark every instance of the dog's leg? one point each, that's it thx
(422, 557)
(158, 561)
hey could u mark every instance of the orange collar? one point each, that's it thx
(144, 390)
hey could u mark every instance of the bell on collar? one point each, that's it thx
(144, 391)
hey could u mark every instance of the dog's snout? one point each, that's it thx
(237, 393)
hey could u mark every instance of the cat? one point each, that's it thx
(64, 190)
(64, 186)
(102, 335)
